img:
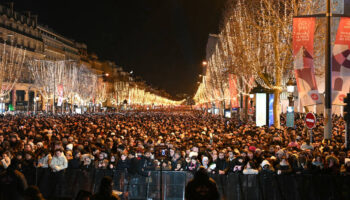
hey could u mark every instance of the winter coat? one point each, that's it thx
(59, 163)
(123, 165)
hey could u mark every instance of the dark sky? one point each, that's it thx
(163, 41)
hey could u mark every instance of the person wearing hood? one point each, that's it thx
(266, 167)
(201, 187)
(332, 165)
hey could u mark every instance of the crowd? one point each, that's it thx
(130, 142)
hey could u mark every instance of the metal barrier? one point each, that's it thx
(231, 187)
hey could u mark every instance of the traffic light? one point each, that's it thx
(347, 108)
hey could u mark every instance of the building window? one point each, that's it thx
(20, 95)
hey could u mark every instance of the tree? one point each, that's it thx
(44, 75)
(11, 65)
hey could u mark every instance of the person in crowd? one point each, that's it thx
(58, 164)
(123, 164)
(44, 158)
(33, 193)
(112, 162)
(249, 168)
(102, 141)
(283, 167)
(201, 187)
(12, 182)
(194, 164)
(317, 164)
(175, 159)
(345, 169)
(75, 163)
(221, 164)
(179, 166)
(105, 191)
(145, 164)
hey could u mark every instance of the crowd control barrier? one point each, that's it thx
(67, 184)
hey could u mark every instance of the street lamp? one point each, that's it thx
(251, 96)
(204, 63)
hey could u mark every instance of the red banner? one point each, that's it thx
(60, 90)
(341, 62)
(303, 52)
(233, 90)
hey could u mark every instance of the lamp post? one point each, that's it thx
(251, 96)
(251, 110)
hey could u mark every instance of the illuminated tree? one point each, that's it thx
(11, 65)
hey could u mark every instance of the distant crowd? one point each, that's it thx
(131, 142)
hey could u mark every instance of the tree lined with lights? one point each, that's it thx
(11, 65)
(78, 83)
(256, 43)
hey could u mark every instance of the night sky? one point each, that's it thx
(163, 41)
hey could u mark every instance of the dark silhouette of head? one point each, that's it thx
(106, 186)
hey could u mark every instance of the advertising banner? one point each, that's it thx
(271, 99)
(60, 101)
(60, 90)
(341, 62)
(303, 52)
(260, 111)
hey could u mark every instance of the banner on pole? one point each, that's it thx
(303, 52)
(341, 62)
(60, 90)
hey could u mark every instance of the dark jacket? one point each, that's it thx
(221, 164)
(201, 187)
(144, 165)
(123, 165)
(99, 196)
(74, 163)
(12, 185)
